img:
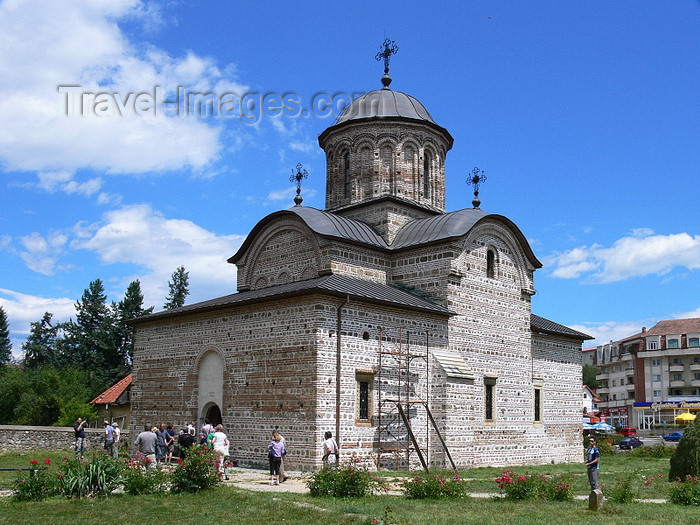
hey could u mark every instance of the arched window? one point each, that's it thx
(490, 264)
(427, 161)
(346, 173)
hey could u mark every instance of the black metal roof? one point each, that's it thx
(334, 285)
(540, 324)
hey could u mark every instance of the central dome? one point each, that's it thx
(385, 103)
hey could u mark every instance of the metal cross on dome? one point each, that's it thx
(477, 178)
(297, 177)
(387, 49)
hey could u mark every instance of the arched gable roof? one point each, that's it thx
(321, 222)
(456, 224)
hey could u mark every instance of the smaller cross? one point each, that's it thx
(387, 49)
(297, 177)
(477, 178)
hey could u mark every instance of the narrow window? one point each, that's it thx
(364, 400)
(694, 341)
(490, 264)
(346, 173)
(427, 161)
(538, 405)
(489, 399)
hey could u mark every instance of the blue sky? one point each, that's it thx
(584, 115)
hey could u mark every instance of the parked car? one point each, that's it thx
(630, 442)
(628, 431)
(674, 436)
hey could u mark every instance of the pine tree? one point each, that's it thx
(129, 308)
(178, 286)
(5, 343)
(686, 458)
(40, 348)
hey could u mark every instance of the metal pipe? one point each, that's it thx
(337, 374)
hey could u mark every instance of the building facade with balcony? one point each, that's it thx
(650, 378)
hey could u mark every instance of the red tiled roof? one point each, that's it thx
(675, 326)
(113, 392)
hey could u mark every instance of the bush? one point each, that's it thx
(623, 490)
(522, 487)
(656, 451)
(198, 471)
(97, 477)
(347, 481)
(685, 460)
(137, 479)
(37, 486)
(425, 485)
(686, 492)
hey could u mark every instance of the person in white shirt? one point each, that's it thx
(221, 448)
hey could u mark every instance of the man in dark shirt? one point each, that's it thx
(186, 440)
(79, 429)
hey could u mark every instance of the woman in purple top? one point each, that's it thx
(275, 450)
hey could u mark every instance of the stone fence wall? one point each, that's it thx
(19, 437)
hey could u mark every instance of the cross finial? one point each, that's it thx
(477, 178)
(387, 49)
(297, 177)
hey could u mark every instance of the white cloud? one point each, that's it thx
(78, 42)
(642, 253)
(142, 236)
(40, 253)
(23, 309)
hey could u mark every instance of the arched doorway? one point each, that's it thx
(213, 414)
(211, 387)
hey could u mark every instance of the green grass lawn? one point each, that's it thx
(232, 505)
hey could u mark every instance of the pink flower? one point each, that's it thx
(47, 461)
(34, 462)
(660, 474)
(647, 482)
(522, 478)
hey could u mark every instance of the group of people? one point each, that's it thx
(111, 437)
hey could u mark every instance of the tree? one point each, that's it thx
(40, 347)
(178, 286)
(686, 458)
(5, 343)
(589, 376)
(129, 308)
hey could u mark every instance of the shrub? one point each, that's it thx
(35, 486)
(686, 458)
(522, 487)
(686, 492)
(656, 451)
(97, 477)
(623, 490)
(349, 480)
(137, 479)
(198, 471)
(425, 485)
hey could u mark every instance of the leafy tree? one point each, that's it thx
(589, 376)
(13, 382)
(179, 290)
(74, 409)
(40, 347)
(686, 457)
(129, 308)
(5, 343)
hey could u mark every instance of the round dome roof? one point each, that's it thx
(385, 103)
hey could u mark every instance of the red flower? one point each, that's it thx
(34, 462)
(47, 461)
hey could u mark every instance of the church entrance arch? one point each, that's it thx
(211, 387)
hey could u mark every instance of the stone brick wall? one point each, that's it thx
(21, 438)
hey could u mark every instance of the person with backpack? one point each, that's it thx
(330, 450)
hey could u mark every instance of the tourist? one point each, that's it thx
(160, 442)
(283, 475)
(117, 437)
(169, 443)
(146, 443)
(220, 443)
(275, 451)
(109, 438)
(593, 464)
(79, 429)
(186, 440)
(330, 449)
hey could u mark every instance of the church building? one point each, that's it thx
(404, 329)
